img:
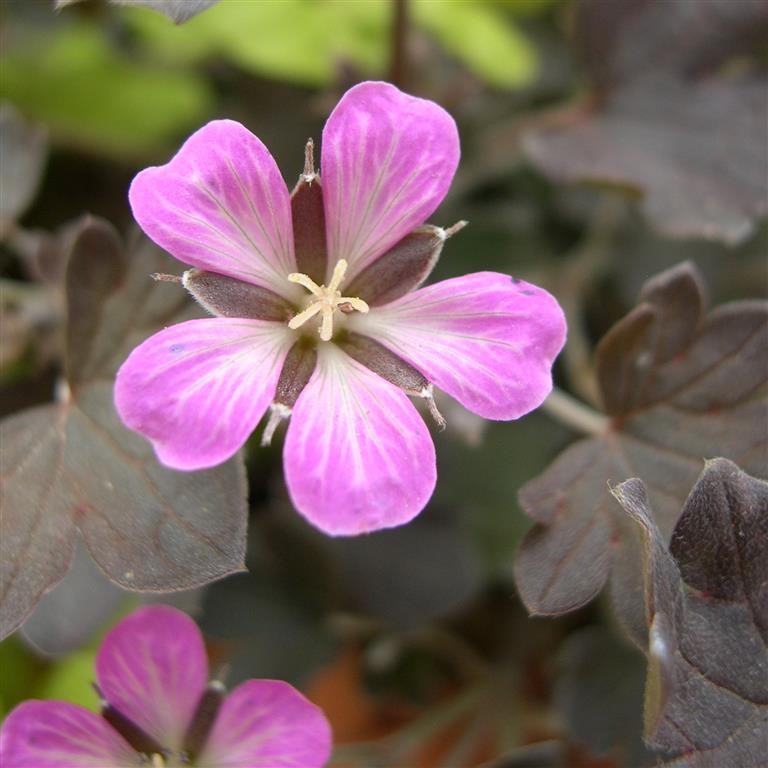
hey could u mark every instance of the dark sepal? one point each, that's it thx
(392, 368)
(298, 367)
(227, 297)
(135, 736)
(203, 719)
(308, 217)
(404, 267)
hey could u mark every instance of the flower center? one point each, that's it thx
(327, 299)
(165, 760)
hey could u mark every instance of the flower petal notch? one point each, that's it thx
(320, 317)
(164, 650)
(268, 723)
(220, 204)
(387, 161)
(157, 710)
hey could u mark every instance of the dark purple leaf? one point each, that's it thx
(427, 567)
(679, 385)
(69, 616)
(106, 326)
(692, 143)
(23, 149)
(706, 605)
(599, 696)
(273, 621)
(72, 468)
(97, 267)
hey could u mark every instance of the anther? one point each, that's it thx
(328, 300)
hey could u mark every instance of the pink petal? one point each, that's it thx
(56, 734)
(387, 162)
(198, 389)
(358, 457)
(486, 339)
(220, 204)
(267, 724)
(152, 667)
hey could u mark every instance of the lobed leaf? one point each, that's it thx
(599, 695)
(706, 606)
(692, 142)
(68, 617)
(71, 468)
(23, 149)
(680, 384)
(419, 588)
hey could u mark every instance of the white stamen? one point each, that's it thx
(329, 299)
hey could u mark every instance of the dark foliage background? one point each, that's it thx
(541, 611)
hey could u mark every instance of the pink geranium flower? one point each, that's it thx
(319, 314)
(159, 710)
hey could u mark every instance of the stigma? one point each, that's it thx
(327, 299)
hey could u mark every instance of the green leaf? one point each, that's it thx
(305, 41)
(302, 41)
(91, 94)
(70, 679)
(485, 40)
(18, 669)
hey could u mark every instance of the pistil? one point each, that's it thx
(327, 300)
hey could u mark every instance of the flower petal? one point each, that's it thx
(267, 724)
(198, 389)
(485, 339)
(387, 162)
(220, 204)
(358, 457)
(153, 669)
(57, 734)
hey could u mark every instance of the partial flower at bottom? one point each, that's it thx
(319, 313)
(159, 710)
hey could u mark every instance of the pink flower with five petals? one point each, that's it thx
(319, 313)
(160, 711)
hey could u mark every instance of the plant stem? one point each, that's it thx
(398, 66)
(573, 413)
(583, 266)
